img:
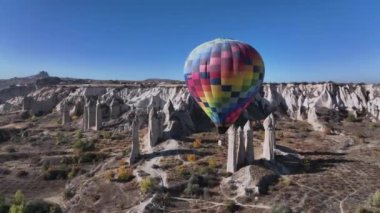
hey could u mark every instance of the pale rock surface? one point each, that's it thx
(231, 153)
(269, 140)
(99, 116)
(154, 127)
(135, 150)
(65, 113)
(248, 142)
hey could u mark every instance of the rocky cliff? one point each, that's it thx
(120, 101)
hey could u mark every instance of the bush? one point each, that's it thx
(55, 174)
(362, 210)
(18, 203)
(350, 117)
(69, 193)
(110, 175)
(83, 145)
(78, 134)
(61, 138)
(124, 174)
(212, 163)
(147, 185)
(230, 206)
(73, 172)
(197, 143)
(107, 135)
(191, 158)
(375, 199)
(41, 206)
(192, 189)
(281, 209)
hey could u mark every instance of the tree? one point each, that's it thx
(18, 203)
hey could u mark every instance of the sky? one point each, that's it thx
(337, 40)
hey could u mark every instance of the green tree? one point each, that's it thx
(18, 203)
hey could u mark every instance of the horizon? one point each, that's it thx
(300, 42)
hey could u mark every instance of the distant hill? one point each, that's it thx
(4, 83)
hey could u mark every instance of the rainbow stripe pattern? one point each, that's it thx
(223, 76)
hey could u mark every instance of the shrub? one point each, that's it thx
(161, 200)
(350, 117)
(197, 143)
(192, 189)
(55, 174)
(83, 145)
(362, 210)
(124, 174)
(375, 199)
(78, 134)
(42, 206)
(212, 162)
(73, 172)
(281, 208)
(191, 158)
(33, 118)
(107, 135)
(69, 193)
(147, 185)
(61, 138)
(230, 206)
(18, 203)
(110, 175)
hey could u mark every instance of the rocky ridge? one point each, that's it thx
(118, 102)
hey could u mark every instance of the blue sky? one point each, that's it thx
(299, 40)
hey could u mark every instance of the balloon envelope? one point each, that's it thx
(223, 76)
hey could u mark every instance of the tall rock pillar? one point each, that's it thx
(65, 113)
(98, 120)
(248, 141)
(269, 140)
(231, 155)
(135, 151)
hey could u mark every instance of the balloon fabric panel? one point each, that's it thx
(222, 76)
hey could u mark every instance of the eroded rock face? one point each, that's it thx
(269, 140)
(298, 101)
(135, 150)
(240, 147)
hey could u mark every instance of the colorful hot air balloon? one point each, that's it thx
(223, 76)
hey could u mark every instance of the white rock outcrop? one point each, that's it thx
(135, 149)
(240, 147)
(270, 138)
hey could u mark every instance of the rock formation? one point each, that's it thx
(85, 115)
(91, 113)
(135, 150)
(299, 101)
(65, 113)
(231, 154)
(269, 141)
(114, 108)
(154, 127)
(240, 147)
(99, 118)
(248, 142)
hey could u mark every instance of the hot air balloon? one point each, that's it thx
(223, 76)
